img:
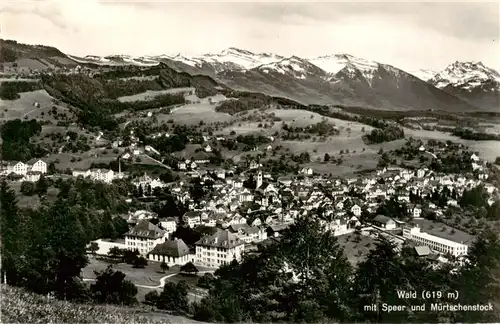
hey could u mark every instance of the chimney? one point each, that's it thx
(215, 240)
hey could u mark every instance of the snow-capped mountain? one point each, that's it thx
(230, 59)
(114, 60)
(294, 66)
(347, 64)
(423, 74)
(471, 81)
(465, 75)
(342, 79)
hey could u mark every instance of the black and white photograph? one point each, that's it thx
(249, 161)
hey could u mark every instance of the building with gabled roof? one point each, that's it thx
(172, 252)
(144, 237)
(218, 249)
(384, 222)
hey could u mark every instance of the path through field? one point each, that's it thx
(162, 282)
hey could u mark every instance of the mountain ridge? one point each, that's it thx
(328, 79)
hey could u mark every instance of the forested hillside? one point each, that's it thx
(96, 97)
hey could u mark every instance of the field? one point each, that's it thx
(31, 201)
(490, 128)
(303, 118)
(488, 150)
(24, 106)
(148, 276)
(64, 160)
(150, 94)
(193, 113)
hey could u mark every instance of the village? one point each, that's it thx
(250, 208)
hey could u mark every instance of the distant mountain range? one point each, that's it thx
(340, 79)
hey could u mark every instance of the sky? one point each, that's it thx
(408, 35)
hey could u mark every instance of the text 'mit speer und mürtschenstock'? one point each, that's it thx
(434, 306)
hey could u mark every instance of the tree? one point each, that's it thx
(493, 212)
(151, 298)
(479, 277)
(140, 262)
(111, 287)
(206, 281)
(68, 241)
(115, 252)
(174, 297)
(120, 226)
(93, 247)
(327, 157)
(130, 256)
(303, 277)
(13, 237)
(377, 279)
(189, 268)
(107, 228)
(164, 266)
(27, 188)
(42, 186)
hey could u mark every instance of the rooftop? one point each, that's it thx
(175, 248)
(147, 230)
(436, 229)
(222, 239)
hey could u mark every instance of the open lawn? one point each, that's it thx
(356, 246)
(303, 118)
(24, 106)
(63, 160)
(150, 94)
(488, 150)
(149, 276)
(333, 145)
(295, 118)
(194, 113)
(31, 201)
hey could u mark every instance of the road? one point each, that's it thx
(155, 160)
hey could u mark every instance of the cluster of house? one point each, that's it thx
(29, 171)
(242, 217)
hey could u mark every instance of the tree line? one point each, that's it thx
(469, 134)
(44, 250)
(10, 90)
(16, 144)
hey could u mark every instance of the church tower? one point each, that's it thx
(259, 180)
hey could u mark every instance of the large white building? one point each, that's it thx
(144, 237)
(39, 166)
(96, 174)
(219, 249)
(435, 243)
(22, 168)
(169, 224)
(146, 180)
